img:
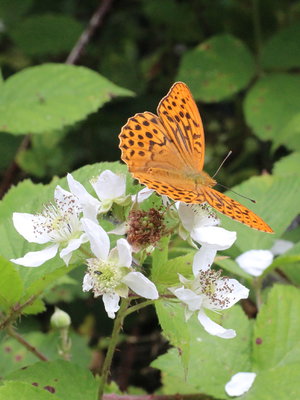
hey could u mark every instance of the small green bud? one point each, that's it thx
(60, 319)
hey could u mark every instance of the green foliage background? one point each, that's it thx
(241, 60)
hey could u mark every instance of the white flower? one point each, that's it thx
(110, 188)
(110, 273)
(240, 383)
(255, 261)
(210, 291)
(281, 246)
(194, 216)
(58, 223)
(199, 222)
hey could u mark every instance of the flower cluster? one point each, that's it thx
(71, 223)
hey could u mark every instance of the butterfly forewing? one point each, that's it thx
(234, 209)
(183, 125)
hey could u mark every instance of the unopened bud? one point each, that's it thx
(60, 319)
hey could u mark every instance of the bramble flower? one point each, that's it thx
(255, 261)
(110, 188)
(199, 222)
(240, 383)
(58, 224)
(110, 273)
(210, 291)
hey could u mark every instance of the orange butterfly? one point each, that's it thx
(166, 153)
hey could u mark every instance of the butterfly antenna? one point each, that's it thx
(222, 163)
(239, 194)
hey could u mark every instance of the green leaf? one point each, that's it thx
(276, 202)
(47, 34)
(287, 165)
(271, 104)
(289, 264)
(279, 383)
(212, 360)
(174, 327)
(15, 356)
(51, 96)
(60, 376)
(166, 274)
(282, 50)
(11, 286)
(217, 69)
(13, 390)
(278, 329)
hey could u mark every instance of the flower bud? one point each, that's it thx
(60, 319)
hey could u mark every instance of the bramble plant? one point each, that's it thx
(108, 289)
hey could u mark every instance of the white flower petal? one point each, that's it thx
(111, 303)
(98, 238)
(214, 236)
(109, 185)
(240, 383)
(141, 285)
(88, 283)
(203, 259)
(142, 195)
(124, 252)
(37, 258)
(228, 292)
(255, 261)
(281, 246)
(213, 328)
(26, 224)
(187, 296)
(195, 216)
(73, 244)
(63, 198)
(89, 204)
(120, 229)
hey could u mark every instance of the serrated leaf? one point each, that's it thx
(166, 274)
(46, 34)
(282, 50)
(217, 68)
(11, 286)
(271, 104)
(212, 360)
(60, 376)
(51, 96)
(278, 328)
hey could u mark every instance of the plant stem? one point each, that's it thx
(138, 307)
(29, 347)
(257, 287)
(112, 345)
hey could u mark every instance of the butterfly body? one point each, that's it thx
(166, 153)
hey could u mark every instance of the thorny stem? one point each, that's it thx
(112, 345)
(16, 311)
(20, 339)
